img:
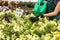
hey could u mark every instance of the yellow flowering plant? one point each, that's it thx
(13, 27)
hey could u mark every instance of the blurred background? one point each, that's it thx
(21, 0)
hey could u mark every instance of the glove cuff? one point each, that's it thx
(42, 16)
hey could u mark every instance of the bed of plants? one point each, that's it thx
(13, 27)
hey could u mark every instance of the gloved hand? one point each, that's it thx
(34, 19)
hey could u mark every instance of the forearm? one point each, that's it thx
(55, 12)
(50, 14)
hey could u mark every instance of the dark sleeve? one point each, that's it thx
(56, 1)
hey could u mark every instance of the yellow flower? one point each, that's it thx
(1, 26)
(13, 37)
(10, 24)
(8, 11)
(1, 34)
(40, 23)
(16, 28)
(13, 22)
(8, 38)
(31, 15)
(1, 13)
(4, 22)
(57, 36)
(58, 27)
(53, 23)
(55, 33)
(18, 39)
(48, 38)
